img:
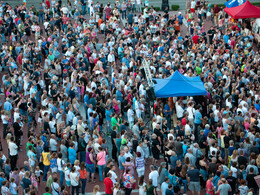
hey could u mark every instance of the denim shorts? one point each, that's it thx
(194, 186)
(68, 183)
(90, 168)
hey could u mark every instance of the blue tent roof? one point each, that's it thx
(178, 85)
(234, 3)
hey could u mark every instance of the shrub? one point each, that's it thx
(221, 5)
(256, 4)
(157, 9)
(175, 7)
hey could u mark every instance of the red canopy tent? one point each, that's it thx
(246, 10)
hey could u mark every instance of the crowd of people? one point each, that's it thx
(75, 93)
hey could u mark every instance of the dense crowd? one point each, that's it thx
(73, 87)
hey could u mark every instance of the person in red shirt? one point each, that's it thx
(48, 4)
(184, 120)
(108, 184)
(210, 187)
(195, 39)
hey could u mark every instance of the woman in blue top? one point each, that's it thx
(72, 153)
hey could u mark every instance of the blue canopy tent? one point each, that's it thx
(178, 85)
(234, 3)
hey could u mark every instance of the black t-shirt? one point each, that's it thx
(135, 144)
(201, 140)
(158, 133)
(23, 106)
(54, 92)
(212, 168)
(124, 105)
(232, 182)
(155, 142)
(226, 141)
(251, 181)
(17, 132)
(113, 136)
(194, 175)
(242, 161)
(211, 33)
(26, 183)
(107, 169)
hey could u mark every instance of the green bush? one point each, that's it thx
(221, 5)
(157, 9)
(175, 7)
(256, 4)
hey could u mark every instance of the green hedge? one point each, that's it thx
(256, 4)
(155, 8)
(175, 7)
(221, 5)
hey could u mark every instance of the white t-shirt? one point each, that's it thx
(53, 145)
(191, 112)
(114, 176)
(60, 163)
(73, 180)
(234, 171)
(216, 118)
(67, 173)
(16, 116)
(154, 176)
(55, 188)
(13, 148)
(193, 4)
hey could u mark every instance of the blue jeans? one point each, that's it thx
(185, 184)
(82, 156)
(123, 14)
(40, 18)
(83, 185)
(3, 37)
(101, 169)
(45, 171)
(61, 177)
(83, 10)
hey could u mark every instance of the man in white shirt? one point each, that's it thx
(114, 176)
(179, 110)
(127, 153)
(142, 91)
(140, 148)
(187, 129)
(154, 176)
(16, 114)
(111, 57)
(130, 116)
(13, 149)
(64, 10)
(53, 143)
(217, 115)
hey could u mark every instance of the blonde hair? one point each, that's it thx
(235, 154)
(96, 189)
(117, 185)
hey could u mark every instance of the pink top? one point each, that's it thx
(210, 187)
(247, 125)
(219, 129)
(101, 158)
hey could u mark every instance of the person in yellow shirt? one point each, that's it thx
(46, 162)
